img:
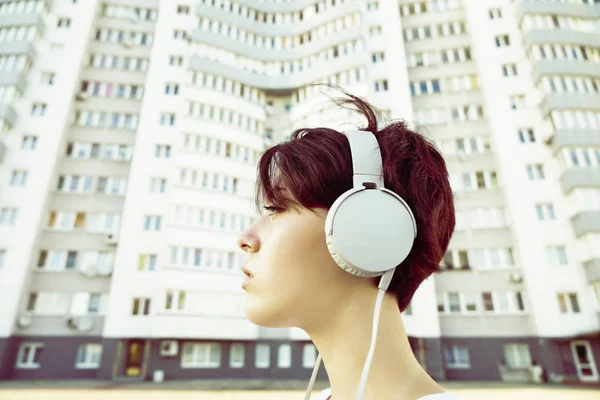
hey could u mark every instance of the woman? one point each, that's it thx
(293, 280)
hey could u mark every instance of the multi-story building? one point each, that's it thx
(129, 135)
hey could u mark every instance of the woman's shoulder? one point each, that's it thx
(324, 395)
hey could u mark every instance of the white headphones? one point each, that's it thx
(369, 230)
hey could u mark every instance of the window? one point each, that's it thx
(176, 61)
(183, 9)
(568, 303)
(457, 356)
(454, 302)
(545, 212)
(158, 185)
(172, 89)
(64, 23)
(147, 262)
(38, 109)
(309, 355)
(381, 85)
(495, 13)
(47, 78)
(2, 258)
(141, 306)
(29, 355)
(516, 355)
(162, 151)
(201, 355)
(8, 216)
(502, 41)
(535, 172)
(378, 57)
(167, 119)
(372, 6)
(557, 255)
(509, 70)
(284, 356)
(175, 297)
(262, 355)
(152, 222)
(488, 303)
(18, 178)
(517, 102)
(88, 356)
(29, 142)
(375, 30)
(236, 355)
(526, 135)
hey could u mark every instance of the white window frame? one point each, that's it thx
(29, 363)
(237, 353)
(284, 355)
(519, 353)
(309, 355)
(89, 356)
(262, 355)
(456, 350)
(202, 355)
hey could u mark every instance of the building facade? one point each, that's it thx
(129, 136)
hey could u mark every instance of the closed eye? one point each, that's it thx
(272, 209)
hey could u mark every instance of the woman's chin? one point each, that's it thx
(262, 317)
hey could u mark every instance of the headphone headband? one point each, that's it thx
(367, 165)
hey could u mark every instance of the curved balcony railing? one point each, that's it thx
(255, 53)
(292, 29)
(284, 83)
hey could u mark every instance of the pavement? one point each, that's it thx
(197, 390)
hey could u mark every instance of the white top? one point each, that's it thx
(324, 395)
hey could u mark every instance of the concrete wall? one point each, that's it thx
(57, 359)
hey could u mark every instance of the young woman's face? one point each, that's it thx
(295, 282)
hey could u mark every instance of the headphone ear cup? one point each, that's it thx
(369, 231)
(343, 263)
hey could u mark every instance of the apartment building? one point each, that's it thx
(129, 136)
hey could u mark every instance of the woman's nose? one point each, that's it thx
(248, 243)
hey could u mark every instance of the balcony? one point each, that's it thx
(8, 114)
(255, 53)
(275, 7)
(289, 29)
(592, 270)
(565, 67)
(575, 138)
(570, 101)
(274, 83)
(586, 222)
(580, 177)
(22, 19)
(557, 8)
(14, 78)
(18, 47)
(540, 36)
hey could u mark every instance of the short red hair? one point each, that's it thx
(315, 166)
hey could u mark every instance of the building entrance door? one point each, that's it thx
(584, 361)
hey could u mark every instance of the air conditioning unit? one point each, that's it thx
(2, 151)
(461, 156)
(88, 269)
(80, 323)
(104, 269)
(111, 239)
(25, 319)
(516, 277)
(169, 348)
(82, 96)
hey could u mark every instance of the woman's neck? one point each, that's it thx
(343, 341)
